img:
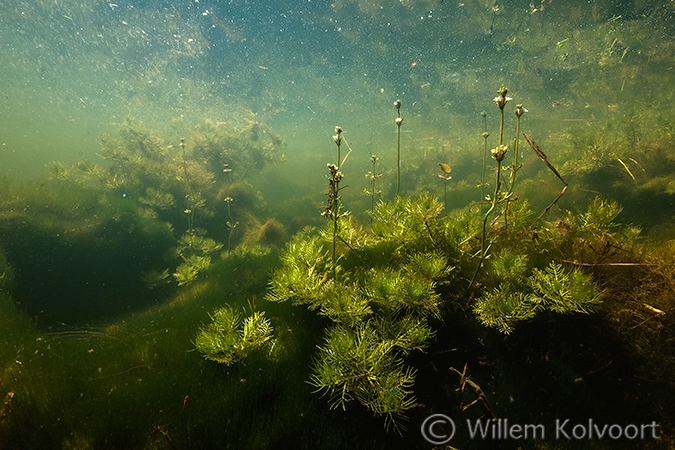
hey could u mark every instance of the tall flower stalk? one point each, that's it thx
(520, 110)
(189, 199)
(372, 176)
(498, 153)
(486, 135)
(501, 101)
(399, 122)
(333, 207)
(231, 223)
(445, 176)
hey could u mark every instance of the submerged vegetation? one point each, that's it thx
(387, 295)
(379, 285)
(178, 293)
(228, 340)
(191, 186)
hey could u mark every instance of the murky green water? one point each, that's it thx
(161, 160)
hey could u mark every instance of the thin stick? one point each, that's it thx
(480, 395)
(543, 157)
(548, 208)
(540, 153)
(577, 263)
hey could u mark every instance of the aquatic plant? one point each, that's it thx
(190, 200)
(399, 122)
(552, 289)
(486, 135)
(231, 223)
(196, 252)
(372, 176)
(357, 364)
(445, 176)
(498, 153)
(501, 100)
(228, 339)
(270, 233)
(500, 196)
(410, 225)
(381, 302)
(520, 110)
(333, 209)
(155, 278)
(599, 216)
(201, 167)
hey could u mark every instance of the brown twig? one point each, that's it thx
(543, 157)
(480, 395)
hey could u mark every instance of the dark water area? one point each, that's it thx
(360, 224)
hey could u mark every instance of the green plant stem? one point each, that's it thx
(188, 196)
(398, 159)
(339, 162)
(373, 176)
(335, 233)
(482, 180)
(399, 122)
(231, 224)
(501, 127)
(335, 214)
(483, 248)
(514, 168)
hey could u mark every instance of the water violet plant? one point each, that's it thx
(372, 176)
(445, 176)
(399, 122)
(228, 339)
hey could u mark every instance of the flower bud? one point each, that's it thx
(499, 152)
(520, 110)
(502, 99)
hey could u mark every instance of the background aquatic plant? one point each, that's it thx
(520, 110)
(228, 339)
(372, 176)
(154, 173)
(196, 252)
(445, 177)
(399, 122)
(485, 135)
(149, 168)
(76, 249)
(271, 233)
